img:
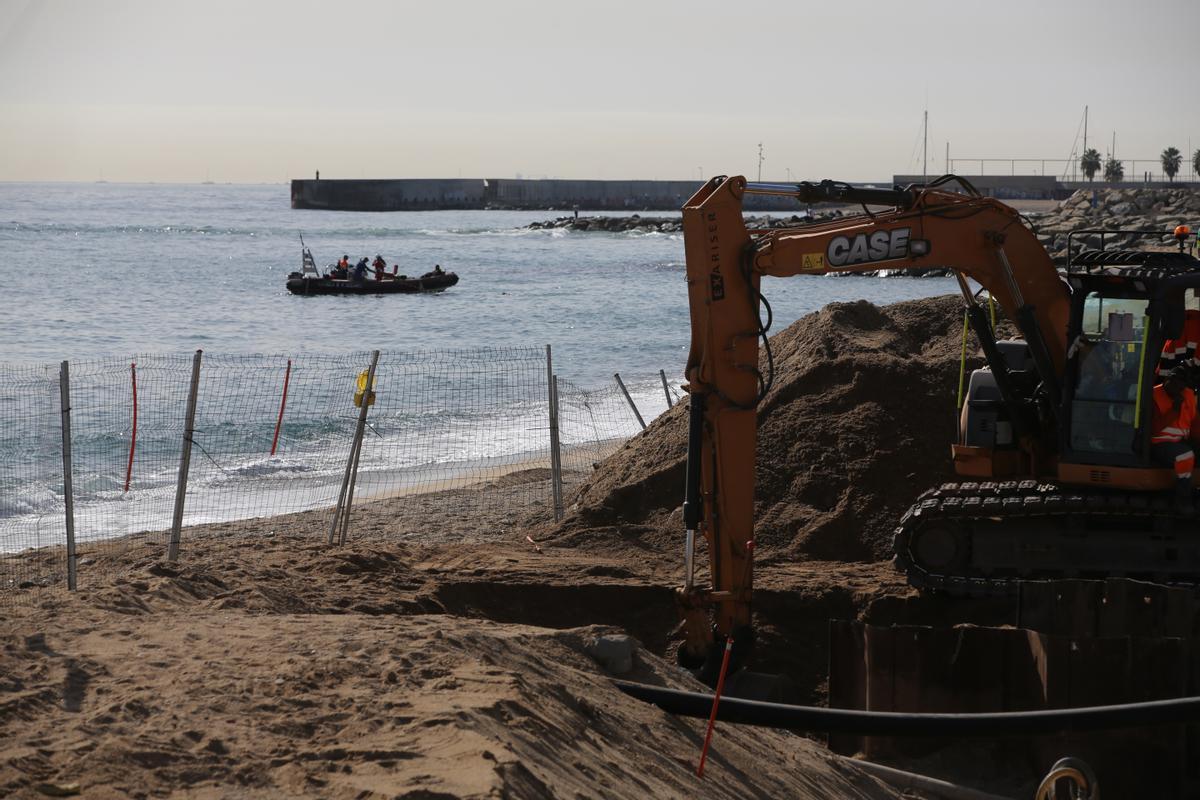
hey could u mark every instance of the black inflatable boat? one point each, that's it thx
(310, 281)
(299, 283)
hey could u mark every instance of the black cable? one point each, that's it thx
(1028, 222)
(207, 454)
(887, 723)
(756, 304)
(765, 386)
(963, 182)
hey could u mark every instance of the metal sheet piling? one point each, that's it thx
(185, 459)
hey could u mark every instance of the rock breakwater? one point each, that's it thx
(1117, 209)
(636, 222)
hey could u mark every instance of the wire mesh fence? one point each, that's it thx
(31, 485)
(594, 423)
(453, 441)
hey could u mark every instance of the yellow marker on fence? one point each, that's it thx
(361, 388)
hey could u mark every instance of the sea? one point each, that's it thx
(113, 270)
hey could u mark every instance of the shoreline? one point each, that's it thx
(481, 495)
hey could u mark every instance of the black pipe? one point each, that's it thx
(887, 723)
(691, 491)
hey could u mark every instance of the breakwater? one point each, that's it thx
(429, 194)
(433, 194)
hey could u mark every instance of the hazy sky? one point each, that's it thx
(266, 90)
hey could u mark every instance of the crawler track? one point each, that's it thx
(976, 539)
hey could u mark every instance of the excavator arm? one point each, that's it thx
(977, 237)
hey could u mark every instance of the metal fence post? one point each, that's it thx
(341, 514)
(666, 389)
(64, 393)
(629, 400)
(185, 459)
(555, 452)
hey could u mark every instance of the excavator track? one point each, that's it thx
(979, 539)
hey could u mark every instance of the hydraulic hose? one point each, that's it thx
(890, 723)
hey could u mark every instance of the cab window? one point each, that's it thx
(1107, 365)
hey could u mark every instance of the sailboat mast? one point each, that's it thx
(925, 150)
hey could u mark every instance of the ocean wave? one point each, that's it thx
(28, 499)
(270, 466)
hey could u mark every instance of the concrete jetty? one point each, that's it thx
(428, 194)
(425, 194)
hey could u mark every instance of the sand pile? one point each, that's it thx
(242, 673)
(859, 422)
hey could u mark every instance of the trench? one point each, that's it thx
(792, 627)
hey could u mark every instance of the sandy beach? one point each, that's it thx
(446, 649)
(277, 666)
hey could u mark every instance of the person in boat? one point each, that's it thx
(343, 268)
(437, 269)
(360, 270)
(380, 267)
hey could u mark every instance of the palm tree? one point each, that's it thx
(1114, 171)
(1171, 160)
(1090, 162)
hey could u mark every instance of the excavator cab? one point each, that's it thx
(1100, 505)
(1126, 306)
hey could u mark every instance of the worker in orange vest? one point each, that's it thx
(1174, 412)
(1183, 350)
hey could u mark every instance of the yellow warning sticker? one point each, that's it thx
(813, 262)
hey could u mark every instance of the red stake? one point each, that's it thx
(712, 718)
(282, 404)
(133, 436)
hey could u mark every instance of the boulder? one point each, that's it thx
(614, 652)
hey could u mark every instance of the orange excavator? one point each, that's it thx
(1055, 431)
